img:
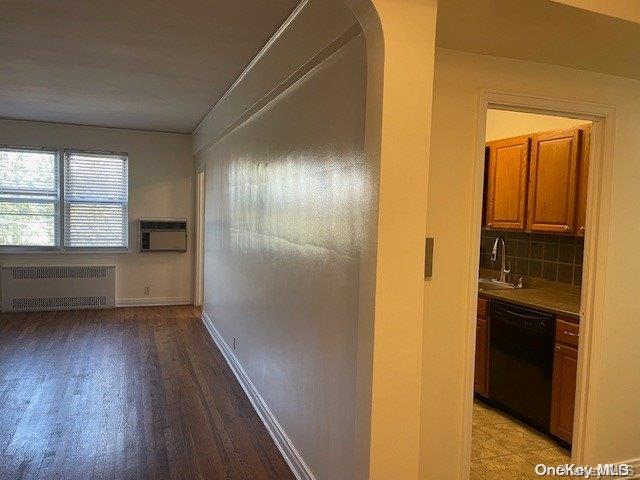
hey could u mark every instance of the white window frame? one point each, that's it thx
(63, 157)
(57, 218)
(59, 247)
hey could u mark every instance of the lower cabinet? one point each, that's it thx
(565, 369)
(481, 379)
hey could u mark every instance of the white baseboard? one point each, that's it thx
(635, 463)
(291, 455)
(152, 301)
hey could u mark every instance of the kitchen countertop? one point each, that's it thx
(559, 299)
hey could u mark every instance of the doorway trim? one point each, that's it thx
(593, 281)
(198, 284)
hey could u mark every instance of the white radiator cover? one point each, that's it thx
(42, 288)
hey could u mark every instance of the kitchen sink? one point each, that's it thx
(493, 284)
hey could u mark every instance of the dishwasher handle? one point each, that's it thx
(522, 317)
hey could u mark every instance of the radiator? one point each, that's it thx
(38, 288)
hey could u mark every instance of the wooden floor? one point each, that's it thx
(130, 393)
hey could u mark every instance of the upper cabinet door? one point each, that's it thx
(553, 181)
(506, 199)
(583, 179)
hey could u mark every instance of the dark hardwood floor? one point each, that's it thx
(129, 393)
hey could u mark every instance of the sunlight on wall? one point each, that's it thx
(299, 201)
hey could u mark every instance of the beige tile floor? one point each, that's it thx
(506, 449)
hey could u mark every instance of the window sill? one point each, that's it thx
(56, 251)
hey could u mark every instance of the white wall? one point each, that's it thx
(160, 185)
(459, 77)
(504, 123)
(289, 204)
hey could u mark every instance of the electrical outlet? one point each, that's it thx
(147, 290)
(234, 343)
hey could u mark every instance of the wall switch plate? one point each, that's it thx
(147, 290)
(428, 257)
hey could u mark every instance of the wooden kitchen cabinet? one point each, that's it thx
(565, 369)
(538, 182)
(583, 181)
(553, 181)
(506, 187)
(481, 379)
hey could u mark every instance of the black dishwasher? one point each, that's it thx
(521, 361)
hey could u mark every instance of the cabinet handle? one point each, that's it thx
(557, 348)
(567, 227)
(566, 332)
(582, 229)
(490, 224)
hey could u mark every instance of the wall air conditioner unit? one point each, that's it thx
(42, 288)
(163, 235)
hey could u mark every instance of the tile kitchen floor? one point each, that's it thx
(506, 449)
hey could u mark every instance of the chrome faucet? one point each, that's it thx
(494, 257)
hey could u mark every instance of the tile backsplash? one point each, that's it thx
(553, 257)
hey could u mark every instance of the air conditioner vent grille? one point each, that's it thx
(31, 273)
(58, 302)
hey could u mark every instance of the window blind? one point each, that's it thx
(28, 198)
(96, 198)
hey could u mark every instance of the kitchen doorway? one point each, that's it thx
(539, 174)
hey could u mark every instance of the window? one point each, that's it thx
(96, 196)
(29, 199)
(54, 201)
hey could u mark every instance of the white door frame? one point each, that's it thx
(198, 291)
(593, 281)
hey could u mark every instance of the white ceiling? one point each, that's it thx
(542, 31)
(141, 64)
(626, 9)
(507, 123)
